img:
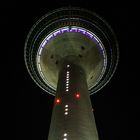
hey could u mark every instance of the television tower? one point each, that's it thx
(71, 53)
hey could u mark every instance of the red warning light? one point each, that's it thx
(57, 101)
(77, 95)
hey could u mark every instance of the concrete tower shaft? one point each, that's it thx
(72, 117)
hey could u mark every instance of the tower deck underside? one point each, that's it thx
(76, 32)
(72, 117)
(85, 49)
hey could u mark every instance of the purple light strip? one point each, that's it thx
(67, 29)
(57, 32)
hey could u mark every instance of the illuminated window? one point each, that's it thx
(66, 109)
(65, 134)
(66, 105)
(67, 81)
(67, 90)
(66, 113)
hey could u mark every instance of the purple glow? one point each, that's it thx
(44, 43)
(57, 33)
(49, 37)
(81, 31)
(65, 30)
(73, 30)
(89, 34)
(96, 39)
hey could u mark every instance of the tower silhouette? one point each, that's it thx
(71, 53)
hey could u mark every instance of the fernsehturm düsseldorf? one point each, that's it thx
(71, 53)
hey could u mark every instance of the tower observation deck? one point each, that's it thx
(71, 53)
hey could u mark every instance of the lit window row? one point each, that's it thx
(67, 79)
(66, 113)
(66, 110)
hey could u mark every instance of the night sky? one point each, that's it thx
(34, 106)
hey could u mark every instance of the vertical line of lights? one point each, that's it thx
(67, 79)
(67, 89)
(65, 113)
(66, 109)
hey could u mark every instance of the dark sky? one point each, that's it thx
(34, 106)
